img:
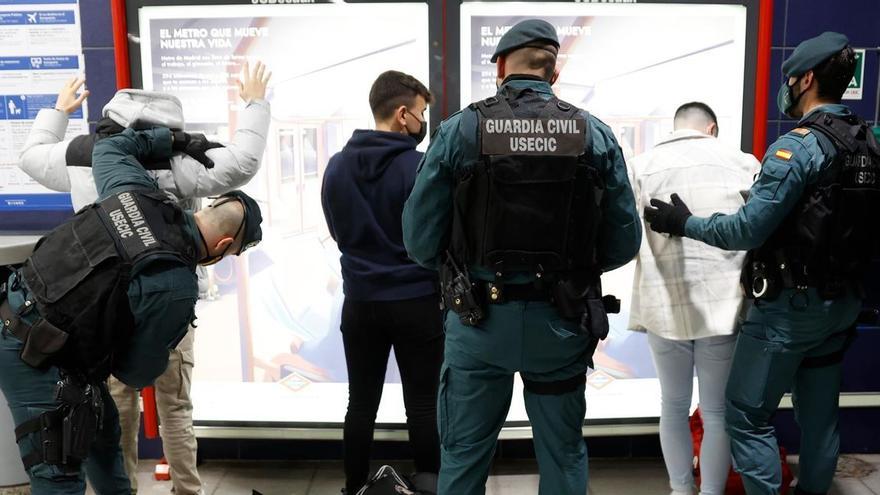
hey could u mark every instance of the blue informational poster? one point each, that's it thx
(40, 50)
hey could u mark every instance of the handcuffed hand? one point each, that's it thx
(68, 101)
(667, 218)
(252, 85)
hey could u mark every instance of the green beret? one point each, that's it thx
(523, 33)
(813, 52)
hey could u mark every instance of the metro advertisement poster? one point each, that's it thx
(268, 345)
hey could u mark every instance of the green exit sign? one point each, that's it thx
(857, 85)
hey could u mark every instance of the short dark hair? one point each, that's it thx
(538, 56)
(835, 74)
(697, 106)
(393, 89)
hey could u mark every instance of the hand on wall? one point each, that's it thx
(252, 85)
(68, 101)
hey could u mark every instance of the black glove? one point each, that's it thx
(194, 145)
(668, 218)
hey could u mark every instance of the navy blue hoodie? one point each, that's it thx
(365, 187)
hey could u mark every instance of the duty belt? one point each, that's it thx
(498, 293)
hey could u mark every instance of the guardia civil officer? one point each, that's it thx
(109, 291)
(810, 227)
(521, 201)
(65, 165)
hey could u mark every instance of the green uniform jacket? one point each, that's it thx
(427, 215)
(791, 164)
(162, 293)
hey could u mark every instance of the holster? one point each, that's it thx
(80, 429)
(460, 295)
(66, 433)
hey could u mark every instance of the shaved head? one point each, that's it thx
(220, 225)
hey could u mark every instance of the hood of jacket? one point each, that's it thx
(138, 108)
(374, 151)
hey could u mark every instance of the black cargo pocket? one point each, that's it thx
(754, 358)
(43, 341)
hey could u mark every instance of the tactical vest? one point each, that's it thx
(527, 198)
(79, 273)
(831, 234)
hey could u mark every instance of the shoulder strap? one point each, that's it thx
(469, 128)
(840, 131)
(558, 109)
(494, 107)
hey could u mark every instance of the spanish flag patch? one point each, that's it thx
(784, 154)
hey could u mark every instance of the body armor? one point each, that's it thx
(529, 202)
(79, 273)
(830, 236)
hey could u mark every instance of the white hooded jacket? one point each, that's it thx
(43, 156)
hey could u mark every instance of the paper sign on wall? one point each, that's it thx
(857, 84)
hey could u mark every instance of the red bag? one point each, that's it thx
(734, 480)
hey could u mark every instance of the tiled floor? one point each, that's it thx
(857, 475)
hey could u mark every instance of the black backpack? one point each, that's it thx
(386, 481)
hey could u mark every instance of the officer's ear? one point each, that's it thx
(223, 244)
(806, 81)
(555, 76)
(500, 70)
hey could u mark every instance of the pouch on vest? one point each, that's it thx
(43, 341)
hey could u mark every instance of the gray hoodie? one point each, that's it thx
(43, 156)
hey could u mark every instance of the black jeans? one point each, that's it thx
(414, 327)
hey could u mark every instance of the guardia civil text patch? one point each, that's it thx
(548, 137)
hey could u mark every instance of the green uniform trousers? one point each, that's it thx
(772, 356)
(476, 386)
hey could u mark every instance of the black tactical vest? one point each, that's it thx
(831, 234)
(79, 273)
(527, 199)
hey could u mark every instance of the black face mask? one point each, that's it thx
(423, 130)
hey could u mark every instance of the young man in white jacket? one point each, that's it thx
(686, 294)
(65, 165)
